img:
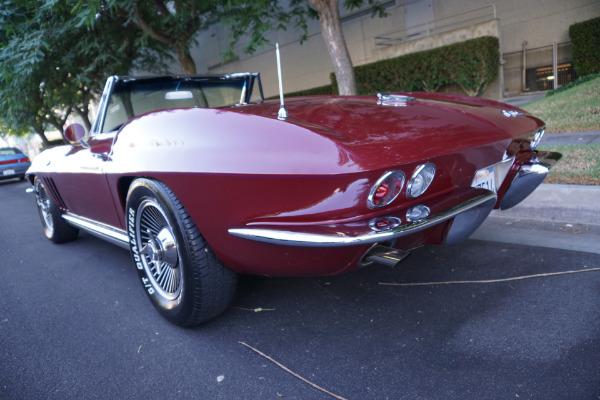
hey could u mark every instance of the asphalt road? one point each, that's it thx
(75, 324)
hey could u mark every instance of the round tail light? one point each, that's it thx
(420, 180)
(386, 189)
(417, 213)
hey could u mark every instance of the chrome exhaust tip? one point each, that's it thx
(384, 255)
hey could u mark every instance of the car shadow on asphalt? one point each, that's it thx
(494, 332)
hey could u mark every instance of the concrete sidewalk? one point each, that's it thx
(573, 204)
(519, 101)
(570, 204)
(561, 139)
(553, 216)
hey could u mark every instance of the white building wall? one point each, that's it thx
(307, 65)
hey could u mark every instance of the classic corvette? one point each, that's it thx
(202, 179)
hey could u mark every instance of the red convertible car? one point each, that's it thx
(202, 179)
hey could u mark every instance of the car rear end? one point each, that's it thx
(13, 163)
(429, 170)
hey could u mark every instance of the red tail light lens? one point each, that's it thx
(20, 160)
(386, 189)
(381, 193)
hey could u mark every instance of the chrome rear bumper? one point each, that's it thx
(468, 216)
(528, 178)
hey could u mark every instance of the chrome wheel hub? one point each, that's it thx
(160, 256)
(161, 249)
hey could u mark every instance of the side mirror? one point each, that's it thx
(74, 133)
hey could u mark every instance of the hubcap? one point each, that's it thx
(160, 256)
(161, 249)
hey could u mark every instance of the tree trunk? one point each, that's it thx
(188, 66)
(42, 135)
(333, 35)
(183, 52)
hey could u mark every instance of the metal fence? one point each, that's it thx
(538, 69)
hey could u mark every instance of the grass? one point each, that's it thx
(580, 165)
(576, 109)
(572, 110)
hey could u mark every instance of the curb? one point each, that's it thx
(570, 204)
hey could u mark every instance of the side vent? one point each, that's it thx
(51, 186)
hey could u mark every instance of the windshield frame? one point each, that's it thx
(250, 81)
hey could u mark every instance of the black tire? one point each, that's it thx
(55, 227)
(181, 275)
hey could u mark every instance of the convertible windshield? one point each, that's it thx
(133, 97)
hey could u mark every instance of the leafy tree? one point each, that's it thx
(20, 104)
(55, 55)
(52, 65)
(177, 24)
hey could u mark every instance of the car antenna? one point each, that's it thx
(282, 114)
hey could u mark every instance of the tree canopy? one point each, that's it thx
(52, 65)
(176, 24)
(55, 55)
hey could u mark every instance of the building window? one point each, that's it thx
(542, 78)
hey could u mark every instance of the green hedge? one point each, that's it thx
(585, 43)
(471, 65)
(310, 92)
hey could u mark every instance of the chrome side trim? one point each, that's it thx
(98, 229)
(106, 93)
(306, 239)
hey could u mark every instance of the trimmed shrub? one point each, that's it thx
(313, 91)
(471, 65)
(585, 44)
(475, 64)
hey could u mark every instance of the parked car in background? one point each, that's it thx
(202, 179)
(13, 163)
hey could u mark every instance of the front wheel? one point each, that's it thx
(184, 279)
(55, 227)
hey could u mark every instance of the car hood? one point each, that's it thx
(431, 125)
